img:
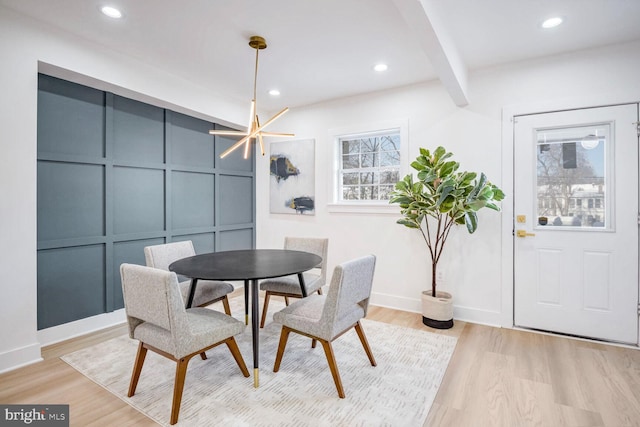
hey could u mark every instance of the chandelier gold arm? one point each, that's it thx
(246, 148)
(276, 117)
(261, 143)
(226, 152)
(279, 134)
(227, 132)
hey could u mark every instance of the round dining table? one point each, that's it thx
(248, 265)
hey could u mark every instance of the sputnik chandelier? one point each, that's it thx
(255, 129)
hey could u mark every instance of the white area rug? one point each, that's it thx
(398, 392)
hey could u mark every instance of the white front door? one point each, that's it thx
(576, 224)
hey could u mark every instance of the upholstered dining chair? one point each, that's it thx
(158, 319)
(289, 286)
(207, 291)
(325, 318)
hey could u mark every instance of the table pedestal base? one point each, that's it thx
(255, 330)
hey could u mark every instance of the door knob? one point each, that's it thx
(523, 233)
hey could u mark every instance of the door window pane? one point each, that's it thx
(572, 176)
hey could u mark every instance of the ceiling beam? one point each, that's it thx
(437, 45)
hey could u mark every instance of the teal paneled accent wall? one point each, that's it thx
(116, 175)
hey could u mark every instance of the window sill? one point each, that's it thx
(364, 208)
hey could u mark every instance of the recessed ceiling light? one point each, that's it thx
(552, 22)
(274, 92)
(380, 67)
(111, 12)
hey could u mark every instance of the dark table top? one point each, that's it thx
(246, 264)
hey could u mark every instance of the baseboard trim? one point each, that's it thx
(19, 357)
(414, 305)
(476, 315)
(80, 327)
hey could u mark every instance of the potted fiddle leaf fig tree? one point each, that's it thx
(442, 197)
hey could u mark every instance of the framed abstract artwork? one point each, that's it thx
(292, 180)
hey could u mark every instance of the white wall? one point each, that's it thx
(25, 48)
(474, 266)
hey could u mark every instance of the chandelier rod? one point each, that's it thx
(255, 77)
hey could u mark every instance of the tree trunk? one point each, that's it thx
(433, 278)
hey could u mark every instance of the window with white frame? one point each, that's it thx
(368, 161)
(369, 165)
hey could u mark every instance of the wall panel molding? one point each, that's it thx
(116, 175)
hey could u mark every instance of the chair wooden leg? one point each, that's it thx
(286, 301)
(284, 336)
(265, 307)
(365, 343)
(203, 355)
(178, 387)
(137, 368)
(313, 343)
(225, 303)
(235, 351)
(319, 291)
(328, 351)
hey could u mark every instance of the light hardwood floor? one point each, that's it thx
(497, 377)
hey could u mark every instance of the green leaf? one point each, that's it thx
(459, 215)
(445, 156)
(498, 195)
(401, 186)
(407, 223)
(417, 165)
(486, 193)
(402, 199)
(467, 177)
(448, 168)
(471, 219)
(440, 151)
(444, 190)
(479, 185)
(447, 204)
(427, 175)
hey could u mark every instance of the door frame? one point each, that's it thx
(507, 159)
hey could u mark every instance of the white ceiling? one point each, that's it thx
(325, 49)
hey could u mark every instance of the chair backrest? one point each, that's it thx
(152, 295)
(317, 246)
(351, 285)
(161, 256)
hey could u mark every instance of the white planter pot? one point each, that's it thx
(437, 312)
